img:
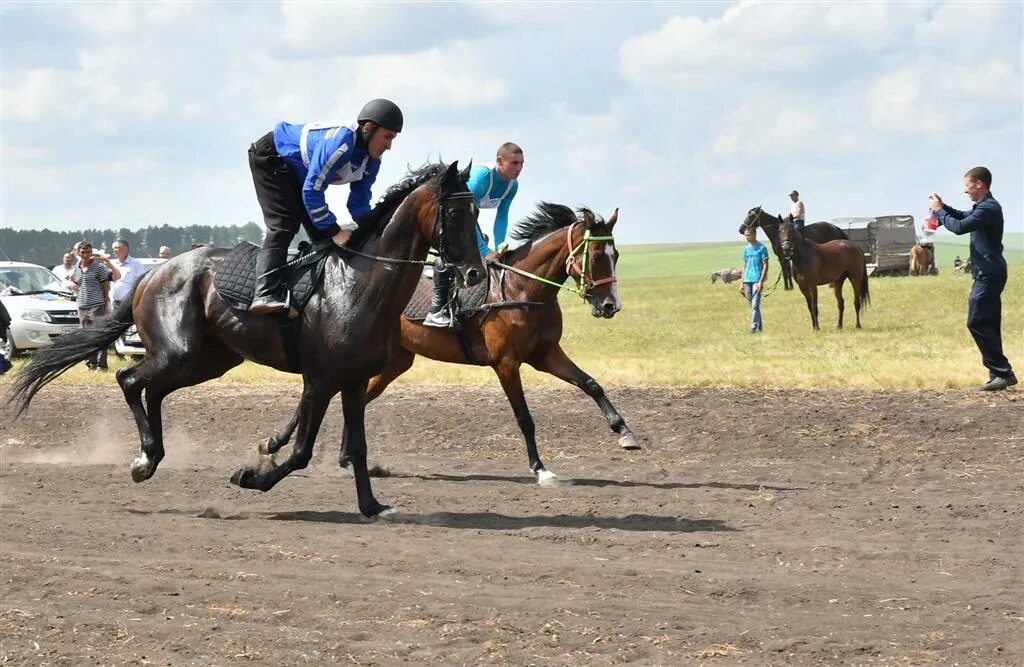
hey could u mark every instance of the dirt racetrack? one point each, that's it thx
(755, 528)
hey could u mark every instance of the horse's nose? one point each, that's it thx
(609, 307)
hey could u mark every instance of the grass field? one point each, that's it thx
(678, 329)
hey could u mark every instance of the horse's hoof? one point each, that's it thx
(243, 478)
(546, 478)
(344, 461)
(142, 469)
(269, 447)
(377, 510)
(628, 441)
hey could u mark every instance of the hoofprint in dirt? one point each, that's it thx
(755, 527)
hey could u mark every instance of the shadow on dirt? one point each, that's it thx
(494, 521)
(600, 482)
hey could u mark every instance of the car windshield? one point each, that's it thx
(28, 279)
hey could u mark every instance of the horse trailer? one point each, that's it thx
(885, 239)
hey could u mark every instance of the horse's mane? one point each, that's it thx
(546, 219)
(385, 207)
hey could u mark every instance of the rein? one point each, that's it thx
(574, 268)
(438, 225)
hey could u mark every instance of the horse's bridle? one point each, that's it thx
(577, 270)
(441, 220)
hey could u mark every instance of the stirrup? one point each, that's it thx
(271, 305)
(440, 319)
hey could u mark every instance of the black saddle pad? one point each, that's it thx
(469, 298)
(235, 279)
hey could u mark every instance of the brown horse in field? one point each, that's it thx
(920, 261)
(823, 263)
(521, 321)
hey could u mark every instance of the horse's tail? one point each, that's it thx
(865, 295)
(52, 361)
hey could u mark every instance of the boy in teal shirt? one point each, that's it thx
(755, 263)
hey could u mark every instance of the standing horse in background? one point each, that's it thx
(347, 334)
(920, 261)
(818, 232)
(521, 320)
(820, 264)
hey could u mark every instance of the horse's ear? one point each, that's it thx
(587, 218)
(464, 174)
(612, 220)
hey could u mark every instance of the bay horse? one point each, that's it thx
(819, 232)
(557, 239)
(920, 260)
(347, 333)
(823, 263)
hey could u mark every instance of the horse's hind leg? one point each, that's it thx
(312, 407)
(281, 438)
(512, 383)
(159, 375)
(557, 363)
(838, 287)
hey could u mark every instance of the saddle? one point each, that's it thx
(468, 301)
(235, 279)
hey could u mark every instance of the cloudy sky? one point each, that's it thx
(684, 115)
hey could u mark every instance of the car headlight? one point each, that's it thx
(36, 316)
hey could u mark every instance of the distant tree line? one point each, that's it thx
(47, 248)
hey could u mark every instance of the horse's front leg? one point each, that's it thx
(512, 383)
(353, 402)
(810, 295)
(312, 408)
(556, 362)
(275, 442)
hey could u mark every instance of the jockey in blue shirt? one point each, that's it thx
(292, 167)
(492, 188)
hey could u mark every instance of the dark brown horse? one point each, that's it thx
(559, 245)
(819, 232)
(348, 332)
(823, 263)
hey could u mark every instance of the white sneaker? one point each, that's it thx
(439, 319)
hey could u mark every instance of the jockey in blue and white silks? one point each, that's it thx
(495, 188)
(292, 167)
(322, 154)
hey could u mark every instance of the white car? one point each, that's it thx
(129, 344)
(40, 307)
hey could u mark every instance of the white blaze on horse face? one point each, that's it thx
(609, 250)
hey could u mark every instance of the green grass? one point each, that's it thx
(677, 329)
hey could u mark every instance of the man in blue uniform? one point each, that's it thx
(292, 167)
(492, 188)
(988, 267)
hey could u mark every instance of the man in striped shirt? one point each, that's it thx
(91, 280)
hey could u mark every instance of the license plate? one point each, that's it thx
(65, 330)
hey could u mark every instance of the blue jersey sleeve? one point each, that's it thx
(326, 159)
(361, 191)
(501, 219)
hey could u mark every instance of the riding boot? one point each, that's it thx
(270, 289)
(440, 311)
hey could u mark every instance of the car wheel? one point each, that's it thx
(7, 346)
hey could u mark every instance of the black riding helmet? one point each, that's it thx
(383, 113)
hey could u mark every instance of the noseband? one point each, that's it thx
(579, 270)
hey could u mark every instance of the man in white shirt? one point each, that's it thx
(65, 270)
(131, 271)
(797, 214)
